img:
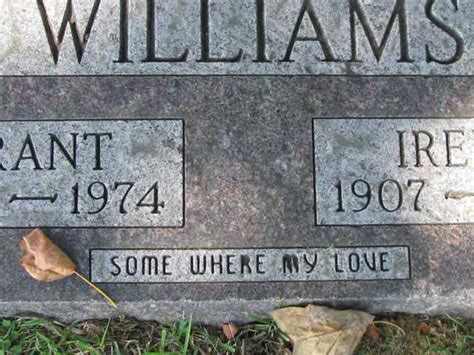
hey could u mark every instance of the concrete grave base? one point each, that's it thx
(249, 183)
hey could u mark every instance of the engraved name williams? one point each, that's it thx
(363, 27)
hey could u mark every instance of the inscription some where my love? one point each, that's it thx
(250, 265)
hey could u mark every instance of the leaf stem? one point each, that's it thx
(98, 290)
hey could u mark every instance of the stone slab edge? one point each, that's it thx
(235, 310)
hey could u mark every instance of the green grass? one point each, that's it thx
(127, 336)
(397, 335)
(404, 335)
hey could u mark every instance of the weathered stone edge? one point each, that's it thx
(459, 304)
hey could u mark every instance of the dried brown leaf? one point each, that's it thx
(321, 330)
(230, 330)
(424, 328)
(43, 260)
(374, 333)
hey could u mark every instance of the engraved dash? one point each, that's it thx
(51, 199)
(458, 195)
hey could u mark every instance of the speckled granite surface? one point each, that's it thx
(248, 184)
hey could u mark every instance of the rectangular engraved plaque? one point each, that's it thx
(92, 173)
(394, 171)
(249, 265)
(245, 37)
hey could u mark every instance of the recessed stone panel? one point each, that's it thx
(250, 265)
(92, 173)
(394, 171)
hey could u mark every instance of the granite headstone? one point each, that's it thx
(225, 157)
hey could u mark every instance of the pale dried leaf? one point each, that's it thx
(318, 330)
(43, 260)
